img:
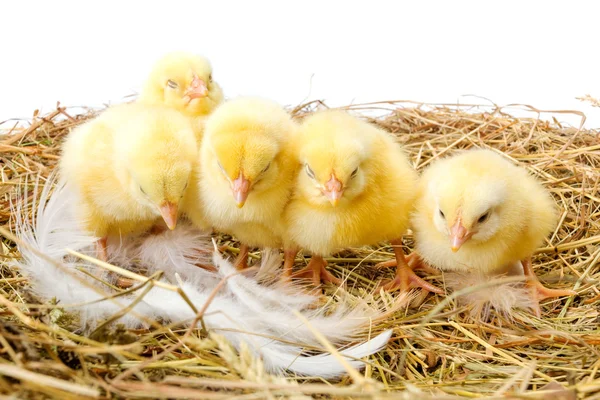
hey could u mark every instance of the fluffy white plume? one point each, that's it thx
(53, 273)
(182, 251)
(243, 310)
(503, 297)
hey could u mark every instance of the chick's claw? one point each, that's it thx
(317, 273)
(406, 279)
(386, 264)
(414, 261)
(539, 291)
(405, 276)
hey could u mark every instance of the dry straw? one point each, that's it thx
(437, 351)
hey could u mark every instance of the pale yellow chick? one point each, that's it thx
(247, 171)
(479, 211)
(183, 81)
(129, 166)
(356, 187)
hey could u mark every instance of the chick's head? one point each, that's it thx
(245, 138)
(184, 82)
(471, 197)
(249, 163)
(334, 149)
(160, 183)
(158, 163)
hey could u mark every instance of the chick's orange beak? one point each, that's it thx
(197, 89)
(333, 190)
(459, 235)
(240, 187)
(168, 211)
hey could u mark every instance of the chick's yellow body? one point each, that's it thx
(376, 202)
(125, 163)
(517, 213)
(248, 137)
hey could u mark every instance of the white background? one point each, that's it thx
(543, 53)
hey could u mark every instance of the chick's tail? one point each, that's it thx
(262, 318)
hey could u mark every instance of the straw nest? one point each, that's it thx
(438, 350)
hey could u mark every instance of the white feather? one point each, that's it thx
(502, 297)
(229, 317)
(273, 305)
(179, 251)
(242, 311)
(54, 228)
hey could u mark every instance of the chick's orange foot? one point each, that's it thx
(538, 291)
(288, 265)
(406, 279)
(241, 261)
(101, 249)
(414, 261)
(317, 273)
(405, 276)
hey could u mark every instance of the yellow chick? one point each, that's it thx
(183, 81)
(129, 166)
(356, 188)
(479, 211)
(247, 171)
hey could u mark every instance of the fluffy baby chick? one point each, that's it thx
(184, 82)
(129, 166)
(247, 171)
(356, 188)
(479, 211)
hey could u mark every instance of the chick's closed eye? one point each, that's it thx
(484, 217)
(309, 171)
(221, 168)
